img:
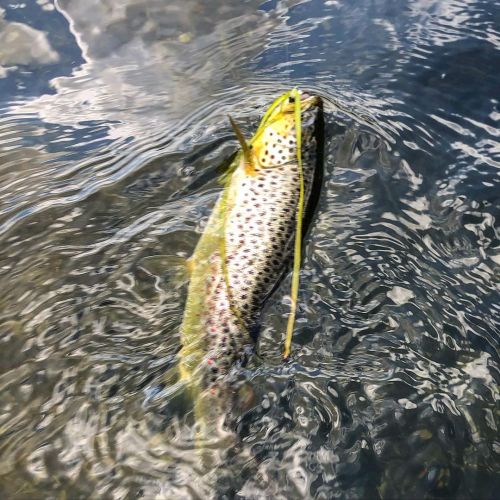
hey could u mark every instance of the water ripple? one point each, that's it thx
(111, 142)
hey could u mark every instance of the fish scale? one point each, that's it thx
(246, 247)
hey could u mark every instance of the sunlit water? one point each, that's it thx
(113, 125)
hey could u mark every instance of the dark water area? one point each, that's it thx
(113, 125)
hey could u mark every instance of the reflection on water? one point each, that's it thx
(112, 127)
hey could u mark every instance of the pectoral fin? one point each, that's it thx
(246, 149)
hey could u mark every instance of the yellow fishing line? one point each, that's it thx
(298, 231)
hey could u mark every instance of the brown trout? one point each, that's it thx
(247, 246)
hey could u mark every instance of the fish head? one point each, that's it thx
(275, 142)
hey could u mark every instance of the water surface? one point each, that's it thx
(112, 128)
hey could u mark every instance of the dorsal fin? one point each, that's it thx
(247, 154)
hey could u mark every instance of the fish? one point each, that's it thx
(253, 233)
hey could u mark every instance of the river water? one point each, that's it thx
(112, 130)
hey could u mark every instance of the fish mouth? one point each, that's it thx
(308, 100)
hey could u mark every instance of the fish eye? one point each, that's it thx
(291, 99)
